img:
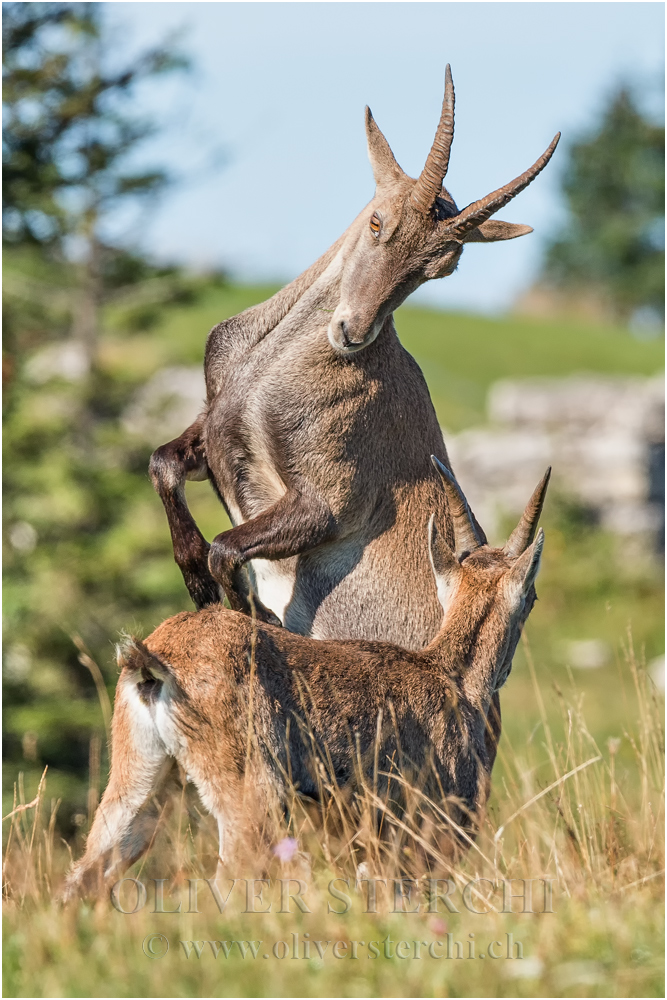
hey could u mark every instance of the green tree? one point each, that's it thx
(80, 531)
(67, 145)
(614, 186)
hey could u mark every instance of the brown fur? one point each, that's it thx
(342, 712)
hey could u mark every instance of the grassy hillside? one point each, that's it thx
(462, 355)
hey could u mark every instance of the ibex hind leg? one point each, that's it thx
(142, 778)
(171, 466)
(247, 813)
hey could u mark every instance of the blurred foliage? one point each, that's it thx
(67, 134)
(67, 149)
(80, 542)
(614, 186)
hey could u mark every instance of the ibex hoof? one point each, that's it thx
(263, 614)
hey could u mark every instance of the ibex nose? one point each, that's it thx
(344, 333)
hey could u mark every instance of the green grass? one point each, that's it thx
(580, 951)
(462, 355)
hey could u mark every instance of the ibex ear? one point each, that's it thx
(385, 168)
(446, 567)
(523, 573)
(495, 230)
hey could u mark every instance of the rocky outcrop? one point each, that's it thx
(604, 437)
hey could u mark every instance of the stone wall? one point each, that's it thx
(604, 437)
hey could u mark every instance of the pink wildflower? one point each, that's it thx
(286, 848)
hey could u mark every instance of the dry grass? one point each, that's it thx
(563, 809)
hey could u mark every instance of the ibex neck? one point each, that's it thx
(467, 651)
(284, 300)
(308, 299)
(279, 306)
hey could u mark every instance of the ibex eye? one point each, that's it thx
(376, 224)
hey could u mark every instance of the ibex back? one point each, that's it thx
(207, 686)
(319, 426)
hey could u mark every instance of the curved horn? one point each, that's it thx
(524, 533)
(479, 211)
(468, 535)
(430, 180)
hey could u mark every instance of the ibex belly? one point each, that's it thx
(274, 582)
(382, 599)
(361, 587)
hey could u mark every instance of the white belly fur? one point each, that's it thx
(274, 586)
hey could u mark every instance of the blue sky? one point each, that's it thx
(278, 91)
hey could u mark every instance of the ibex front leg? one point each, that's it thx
(298, 522)
(170, 467)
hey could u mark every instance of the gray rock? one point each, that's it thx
(604, 437)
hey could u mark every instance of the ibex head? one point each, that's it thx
(412, 231)
(486, 593)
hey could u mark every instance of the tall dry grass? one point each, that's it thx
(563, 808)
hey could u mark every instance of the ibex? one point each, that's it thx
(191, 691)
(318, 425)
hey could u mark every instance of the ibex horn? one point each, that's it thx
(480, 211)
(524, 533)
(468, 535)
(430, 180)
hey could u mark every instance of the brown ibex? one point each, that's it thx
(318, 425)
(348, 708)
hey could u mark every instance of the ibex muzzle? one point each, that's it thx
(412, 231)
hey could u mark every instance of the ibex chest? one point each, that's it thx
(282, 418)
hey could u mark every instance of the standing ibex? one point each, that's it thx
(352, 710)
(318, 425)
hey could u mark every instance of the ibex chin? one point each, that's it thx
(358, 711)
(319, 427)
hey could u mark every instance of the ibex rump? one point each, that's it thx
(186, 694)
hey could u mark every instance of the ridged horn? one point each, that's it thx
(524, 533)
(480, 211)
(468, 536)
(430, 180)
